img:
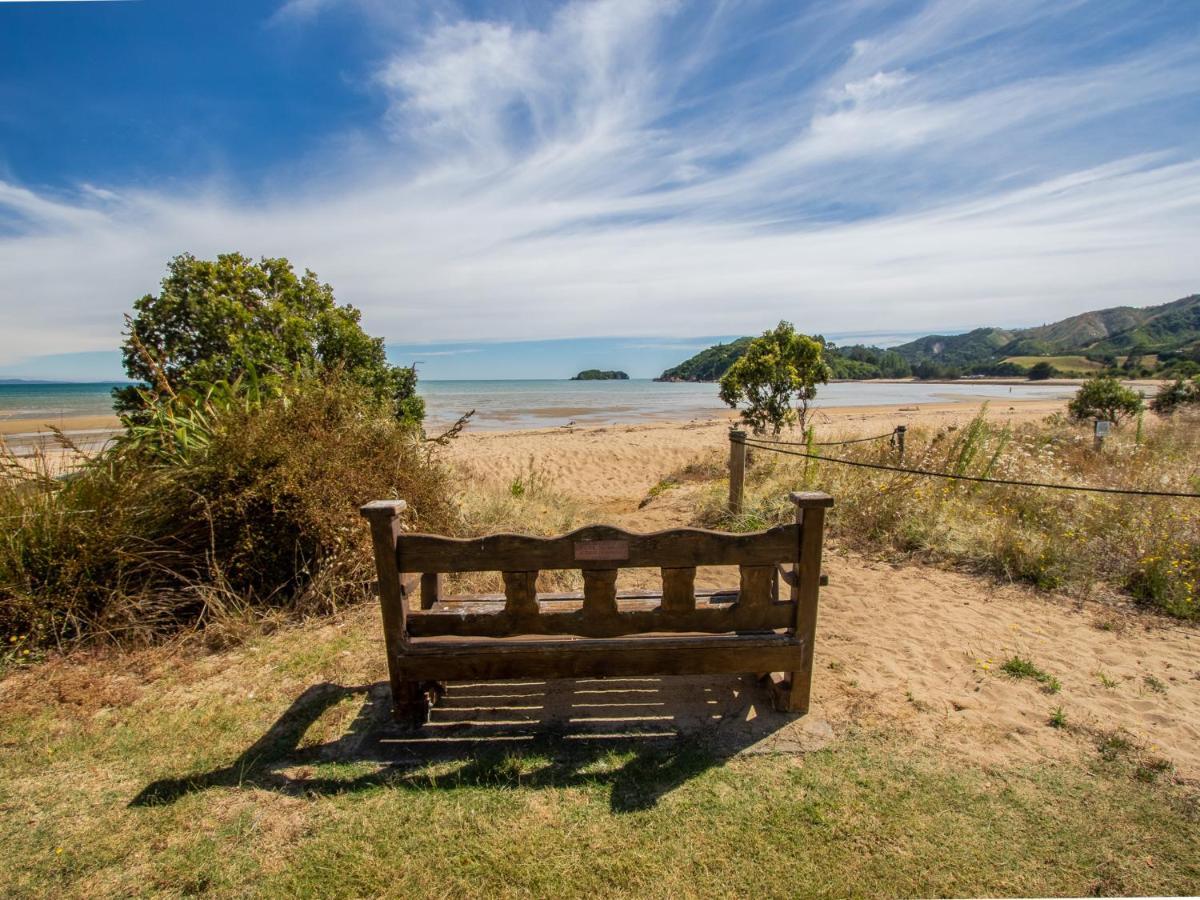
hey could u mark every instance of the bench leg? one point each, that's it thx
(798, 692)
(800, 683)
(409, 706)
(412, 701)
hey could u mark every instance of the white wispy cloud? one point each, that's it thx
(610, 170)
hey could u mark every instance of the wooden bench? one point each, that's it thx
(600, 632)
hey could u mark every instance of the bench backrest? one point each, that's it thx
(790, 552)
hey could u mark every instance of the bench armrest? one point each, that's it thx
(811, 499)
(382, 510)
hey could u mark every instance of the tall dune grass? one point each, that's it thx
(1079, 542)
(247, 510)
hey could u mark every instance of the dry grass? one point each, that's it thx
(1076, 542)
(261, 519)
(529, 504)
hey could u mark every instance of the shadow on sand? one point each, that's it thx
(674, 727)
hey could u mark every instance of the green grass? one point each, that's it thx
(1062, 363)
(1019, 667)
(167, 774)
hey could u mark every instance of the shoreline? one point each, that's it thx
(534, 413)
(30, 430)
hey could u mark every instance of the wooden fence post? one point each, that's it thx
(901, 431)
(737, 470)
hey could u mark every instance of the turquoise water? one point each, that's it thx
(55, 401)
(534, 404)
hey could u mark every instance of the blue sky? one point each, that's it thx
(499, 186)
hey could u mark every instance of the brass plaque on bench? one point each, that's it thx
(602, 550)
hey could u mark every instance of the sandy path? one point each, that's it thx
(912, 647)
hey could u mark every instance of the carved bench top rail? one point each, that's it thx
(597, 547)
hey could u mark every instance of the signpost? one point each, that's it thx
(1102, 429)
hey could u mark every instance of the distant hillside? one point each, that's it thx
(956, 349)
(707, 365)
(1152, 329)
(1168, 335)
(847, 363)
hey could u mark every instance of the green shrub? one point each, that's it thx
(1168, 579)
(1177, 395)
(1041, 371)
(214, 320)
(1103, 397)
(256, 512)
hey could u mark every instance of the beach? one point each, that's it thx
(907, 646)
(617, 464)
(84, 411)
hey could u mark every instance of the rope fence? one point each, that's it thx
(878, 437)
(739, 441)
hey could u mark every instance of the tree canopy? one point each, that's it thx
(1103, 397)
(1040, 371)
(1177, 395)
(219, 320)
(775, 368)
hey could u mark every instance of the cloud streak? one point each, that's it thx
(626, 167)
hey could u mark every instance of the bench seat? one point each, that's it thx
(436, 659)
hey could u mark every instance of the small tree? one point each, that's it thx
(217, 321)
(1041, 371)
(1180, 393)
(775, 368)
(1103, 397)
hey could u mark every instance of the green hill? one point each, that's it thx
(957, 349)
(1168, 327)
(707, 365)
(1167, 336)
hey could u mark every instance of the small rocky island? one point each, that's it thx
(598, 375)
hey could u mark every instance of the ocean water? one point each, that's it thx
(550, 403)
(53, 402)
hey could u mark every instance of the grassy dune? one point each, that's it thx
(1087, 544)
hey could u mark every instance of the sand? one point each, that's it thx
(616, 465)
(911, 647)
(908, 648)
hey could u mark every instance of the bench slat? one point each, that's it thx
(703, 655)
(597, 547)
(493, 620)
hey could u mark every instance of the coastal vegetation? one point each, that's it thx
(600, 375)
(1103, 397)
(1155, 341)
(775, 379)
(217, 321)
(1092, 545)
(1177, 396)
(261, 417)
(220, 509)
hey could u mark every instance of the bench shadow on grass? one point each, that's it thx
(643, 736)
